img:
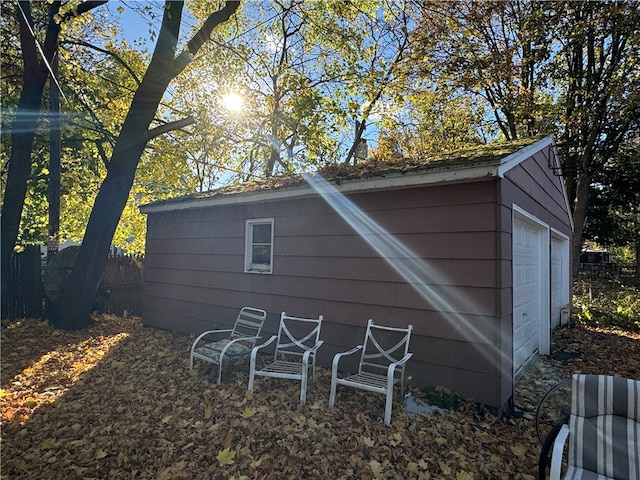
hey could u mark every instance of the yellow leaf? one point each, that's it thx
(422, 464)
(48, 443)
(167, 419)
(208, 412)
(441, 441)
(376, 468)
(463, 475)
(446, 469)
(412, 468)
(225, 457)
(495, 459)
(368, 442)
(519, 450)
(249, 412)
(256, 463)
(248, 395)
(188, 445)
(100, 454)
(396, 439)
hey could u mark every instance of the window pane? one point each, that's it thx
(261, 254)
(262, 233)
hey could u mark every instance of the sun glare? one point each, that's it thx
(233, 102)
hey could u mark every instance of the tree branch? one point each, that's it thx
(84, 7)
(168, 127)
(115, 56)
(202, 35)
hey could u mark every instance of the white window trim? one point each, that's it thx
(249, 267)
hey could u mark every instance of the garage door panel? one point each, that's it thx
(526, 292)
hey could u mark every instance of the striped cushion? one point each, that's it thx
(574, 473)
(604, 427)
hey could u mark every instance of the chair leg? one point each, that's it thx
(388, 406)
(219, 372)
(332, 395)
(303, 387)
(252, 374)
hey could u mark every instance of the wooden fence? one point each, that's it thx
(22, 295)
(120, 289)
(119, 292)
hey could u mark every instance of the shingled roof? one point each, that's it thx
(483, 160)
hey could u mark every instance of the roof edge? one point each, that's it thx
(390, 181)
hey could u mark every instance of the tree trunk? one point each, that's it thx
(74, 305)
(23, 131)
(579, 214)
(23, 127)
(55, 141)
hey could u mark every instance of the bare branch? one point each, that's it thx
(168, 127)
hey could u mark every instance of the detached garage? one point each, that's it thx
(471, 248)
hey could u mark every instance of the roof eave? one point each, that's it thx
(342, 185)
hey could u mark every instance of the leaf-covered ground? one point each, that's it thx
(118, 401)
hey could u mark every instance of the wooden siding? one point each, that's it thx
(194, 276)
(533, 186)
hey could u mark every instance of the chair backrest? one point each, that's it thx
(249, 323)
(383, 346)
(604, 426)
(297, 335)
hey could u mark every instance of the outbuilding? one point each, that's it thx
(471, 248)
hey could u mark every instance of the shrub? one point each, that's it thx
(607, 302)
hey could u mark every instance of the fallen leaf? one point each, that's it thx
(208, 412)
(226, 456)
(376, 468)
(249, 412)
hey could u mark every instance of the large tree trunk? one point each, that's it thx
(23, 127)
(74, 305)
(583, 182)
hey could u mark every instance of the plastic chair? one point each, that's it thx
(237, 343)
(603, 432)
(385, 353)
(297, 342)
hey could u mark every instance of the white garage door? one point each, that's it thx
(558, 274)
(527, 282)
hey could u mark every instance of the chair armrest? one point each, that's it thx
(307, 354)
(556, 455)
(254, 350)
(402, 361)
(338, 356)
(204, 334)
(392, 367)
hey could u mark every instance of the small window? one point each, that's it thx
(258, 256)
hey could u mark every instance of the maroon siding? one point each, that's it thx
(458, 295)
(194, 275)
(532, 186)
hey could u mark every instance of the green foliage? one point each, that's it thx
(608, 303)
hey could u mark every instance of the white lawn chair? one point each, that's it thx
(237, 342)
(603, 430)
(385, 353)
(298, 341)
